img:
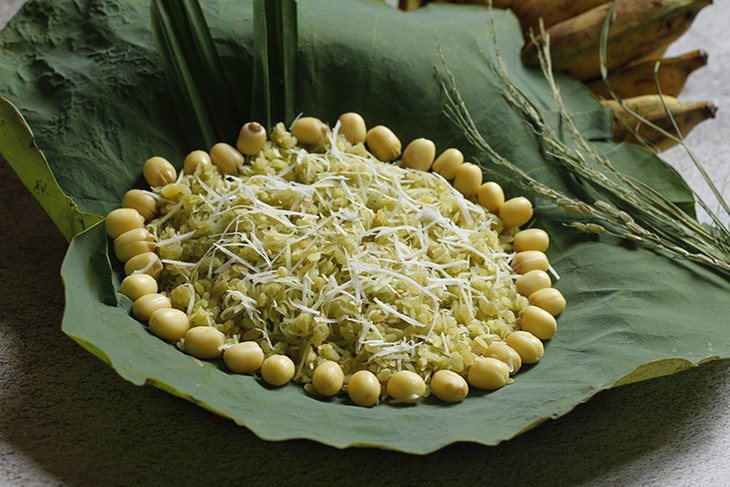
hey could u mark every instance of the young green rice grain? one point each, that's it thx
(334, 255)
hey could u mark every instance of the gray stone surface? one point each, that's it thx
(67, 419)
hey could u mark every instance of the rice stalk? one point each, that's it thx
(676, 137)
(627, 208)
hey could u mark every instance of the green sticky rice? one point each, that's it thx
(329, 254)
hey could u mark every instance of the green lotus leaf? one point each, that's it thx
(86, 77)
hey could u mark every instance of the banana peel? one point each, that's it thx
(639, 28)
(626, 126)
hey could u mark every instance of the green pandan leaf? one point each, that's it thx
(86, 77)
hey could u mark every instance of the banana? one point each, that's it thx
(686, 114)
(495, 3)
(408, 5)
(638, 78)
(551, 11)
(641, 26)
(415, 4)
(519, 4)
(656, 54)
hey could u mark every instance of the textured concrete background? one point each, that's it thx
(67, 419)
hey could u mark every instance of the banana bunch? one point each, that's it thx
(640, 28)
(639, 35)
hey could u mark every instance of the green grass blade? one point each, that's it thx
(211, 78)
(192, 110)
(289, 36)
(194, 72)
(275, 49)
(261, 95)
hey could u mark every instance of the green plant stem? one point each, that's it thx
(634, 211)
(676, 137)
(194, 72)
(275, 48)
